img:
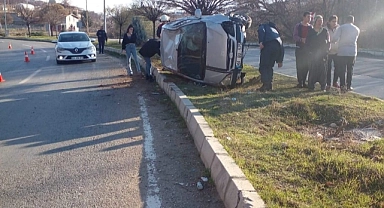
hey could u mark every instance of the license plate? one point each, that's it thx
(77, 58)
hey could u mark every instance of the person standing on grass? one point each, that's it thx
(129, 47)
(149, 49)
(102, 39)
(271, 51)
(346, 36)
(300, 34)
(332, 55)
(318, 45)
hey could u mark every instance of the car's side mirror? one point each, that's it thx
(93, 39)
(54, 41)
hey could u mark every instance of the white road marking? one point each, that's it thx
(48, 57)
(152, 199)
(30, 77)
(43, 50)
(26, 45)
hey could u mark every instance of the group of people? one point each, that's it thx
(317, 47)
(148, 50)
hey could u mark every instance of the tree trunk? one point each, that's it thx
(51, 29)
(29, 29)
(299, 6)
(154, 29)
(121, 25)
(325, 13)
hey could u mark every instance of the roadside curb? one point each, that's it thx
(25, 39)
(231, 184)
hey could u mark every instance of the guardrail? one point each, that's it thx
(360, 51)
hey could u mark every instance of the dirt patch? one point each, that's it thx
(178, 162)
(338, 133)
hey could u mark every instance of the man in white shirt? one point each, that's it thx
(346, 36)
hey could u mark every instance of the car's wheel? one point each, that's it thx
(93, 60)
(234, 78)
(59, 62)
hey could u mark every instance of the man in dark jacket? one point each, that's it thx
(271, 51)
(300, 33)
(164, 19)
(102, 39)
(149, 49)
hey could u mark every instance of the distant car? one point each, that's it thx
(74, 46)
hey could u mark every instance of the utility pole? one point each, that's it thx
(5, 20)
(49, 24)
(105, 20)
(86, 9)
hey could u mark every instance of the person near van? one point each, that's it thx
(346, 36)
(129, 47)
(332, 55)
(271, 52)
(164, 19)
(300, 34)
(318, 45)
(102, 39)
(149, 49)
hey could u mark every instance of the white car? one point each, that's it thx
(74, 46)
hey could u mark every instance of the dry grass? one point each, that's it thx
(274, 139)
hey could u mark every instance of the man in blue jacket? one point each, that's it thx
(271, 52)
(149, 49)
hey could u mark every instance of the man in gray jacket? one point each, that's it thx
(346, 36)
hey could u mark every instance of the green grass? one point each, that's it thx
(48, 38)
(272, 138)
(114, 44)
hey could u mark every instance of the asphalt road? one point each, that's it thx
(83, 135)
(368, 77)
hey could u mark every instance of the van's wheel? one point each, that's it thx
(93, 60)
(234, 78)
(242, 77)
(58, 62)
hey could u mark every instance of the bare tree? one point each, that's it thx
(152, 10)
(9, 19)
(83, 19)
(54, 14)
(245, 6)
(29, 15)
(207, 7)
(66, 3)
(120, 16)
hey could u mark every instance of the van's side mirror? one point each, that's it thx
(93, 39)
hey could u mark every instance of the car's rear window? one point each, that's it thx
(73, 37)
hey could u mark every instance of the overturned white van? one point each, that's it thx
(205, 49)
